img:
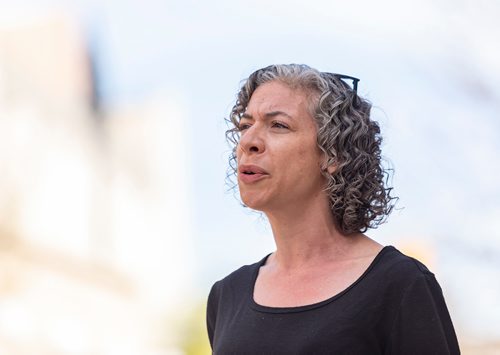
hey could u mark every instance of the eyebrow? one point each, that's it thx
(267, 115)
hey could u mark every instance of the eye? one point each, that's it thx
(243, 126)
(280, 125)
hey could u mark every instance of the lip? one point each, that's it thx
(258, 173)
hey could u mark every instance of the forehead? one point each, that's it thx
(276, 95)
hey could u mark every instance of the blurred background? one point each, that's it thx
(115, 218)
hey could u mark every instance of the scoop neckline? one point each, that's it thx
(268, 309)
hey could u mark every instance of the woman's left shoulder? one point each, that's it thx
(419, 319)
(397, 267)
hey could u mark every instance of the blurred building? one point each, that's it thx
(95, 245)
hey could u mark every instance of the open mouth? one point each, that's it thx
(251, 173)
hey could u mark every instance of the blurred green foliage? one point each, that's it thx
(194, 338)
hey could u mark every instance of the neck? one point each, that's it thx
(306, 235)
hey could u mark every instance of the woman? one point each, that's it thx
(308, 155)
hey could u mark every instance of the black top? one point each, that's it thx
(395, 307)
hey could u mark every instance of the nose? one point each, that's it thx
(251, 141)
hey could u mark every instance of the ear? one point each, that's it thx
(328, 168)
(331, 168)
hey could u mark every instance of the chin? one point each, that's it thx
(252, 201)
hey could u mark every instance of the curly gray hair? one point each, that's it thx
(357, 189)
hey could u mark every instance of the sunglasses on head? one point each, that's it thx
(347, 77)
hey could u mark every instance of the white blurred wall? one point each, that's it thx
(95, 239)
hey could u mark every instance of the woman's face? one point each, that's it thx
(279, 162)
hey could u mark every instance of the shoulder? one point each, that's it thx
(392, 257)
(396, 269)
(237, 281)
(419, 321)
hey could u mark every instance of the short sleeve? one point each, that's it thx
(212, 306)
(423, 324)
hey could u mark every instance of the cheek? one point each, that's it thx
(237, 153)
(309, 155)
(309, 162)
(301, 166)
